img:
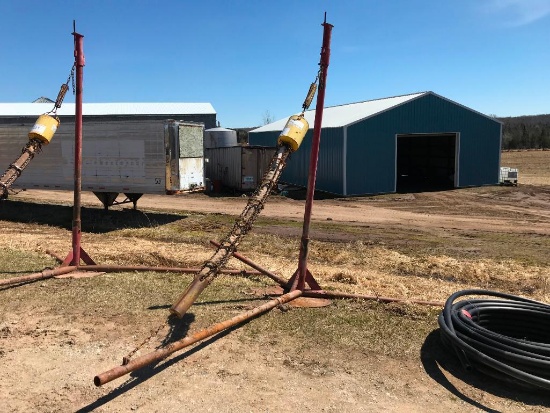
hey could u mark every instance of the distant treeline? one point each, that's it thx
(526, 132)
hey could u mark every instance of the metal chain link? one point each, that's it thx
(154, 333)
(71, 76)
(311, 92)
(241, 227)
(245, 221)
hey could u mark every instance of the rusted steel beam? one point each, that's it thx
(38, 276)
(77, 219)
(123, 268)
(279, 280)
(335, 294)
(302, 276)
(164, 352)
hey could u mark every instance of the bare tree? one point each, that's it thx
(267, 117)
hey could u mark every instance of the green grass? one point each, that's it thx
(15, 263)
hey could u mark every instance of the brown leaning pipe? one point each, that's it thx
(122, 268)
(333, 294)
(279, 280)
(38, 276)
(164, 352)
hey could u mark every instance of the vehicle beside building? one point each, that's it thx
(508, 176)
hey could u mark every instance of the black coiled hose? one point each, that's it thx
(508, 338)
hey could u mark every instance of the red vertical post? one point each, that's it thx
(77, 253)
(302, 275)
(77, 221)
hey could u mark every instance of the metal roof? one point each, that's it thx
(99, 109)
(343, 115)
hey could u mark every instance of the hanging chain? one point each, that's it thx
(63, 91)
(311, 92)
(72, 78)
(126, 359)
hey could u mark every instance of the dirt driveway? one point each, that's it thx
(57, 334)
(516, 209)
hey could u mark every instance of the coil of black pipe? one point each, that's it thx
(502, 335)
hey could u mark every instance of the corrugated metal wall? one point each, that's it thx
(238, 167)
(330, 170)
(371, 143)
(119, 156)
(371, 147)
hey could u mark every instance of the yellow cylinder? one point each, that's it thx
(294, 131)
(44, 128)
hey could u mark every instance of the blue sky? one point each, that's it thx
(250, 57)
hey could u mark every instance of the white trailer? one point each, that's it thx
(508, 176)
(119, 156)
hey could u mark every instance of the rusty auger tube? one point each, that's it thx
(334, 294)
(229, 244)
(164, 352)
(131, 268)
(15, 169)
(38, 276)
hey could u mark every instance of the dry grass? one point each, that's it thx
(379, 261)
(534, 166)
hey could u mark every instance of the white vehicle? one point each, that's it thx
(508, 176)
(131, 157)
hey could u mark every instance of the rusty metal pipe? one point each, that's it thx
(334, 294)
(123, 268)
(164, 352)
(242, 225)
(77, 219)
(279, 280)
(38, 276)
(298, 281)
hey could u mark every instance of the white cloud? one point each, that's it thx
(518, 12)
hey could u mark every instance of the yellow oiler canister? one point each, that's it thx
(44, 128)
(294, 131)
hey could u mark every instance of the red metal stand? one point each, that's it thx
(78, 253)
(302, 276)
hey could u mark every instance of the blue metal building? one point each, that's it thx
(414, 142)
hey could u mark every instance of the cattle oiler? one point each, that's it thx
(41, 134)
(289, 141)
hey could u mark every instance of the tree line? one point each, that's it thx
(526, 132)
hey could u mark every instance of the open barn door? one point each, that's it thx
(426, 162)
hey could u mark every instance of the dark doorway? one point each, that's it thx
(425, 162)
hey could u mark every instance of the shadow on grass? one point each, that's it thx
(94, 220)
(142, 375)
(436, 358)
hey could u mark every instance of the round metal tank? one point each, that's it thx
(220, 138)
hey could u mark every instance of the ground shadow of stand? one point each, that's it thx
(178, 329)
(436, 358)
